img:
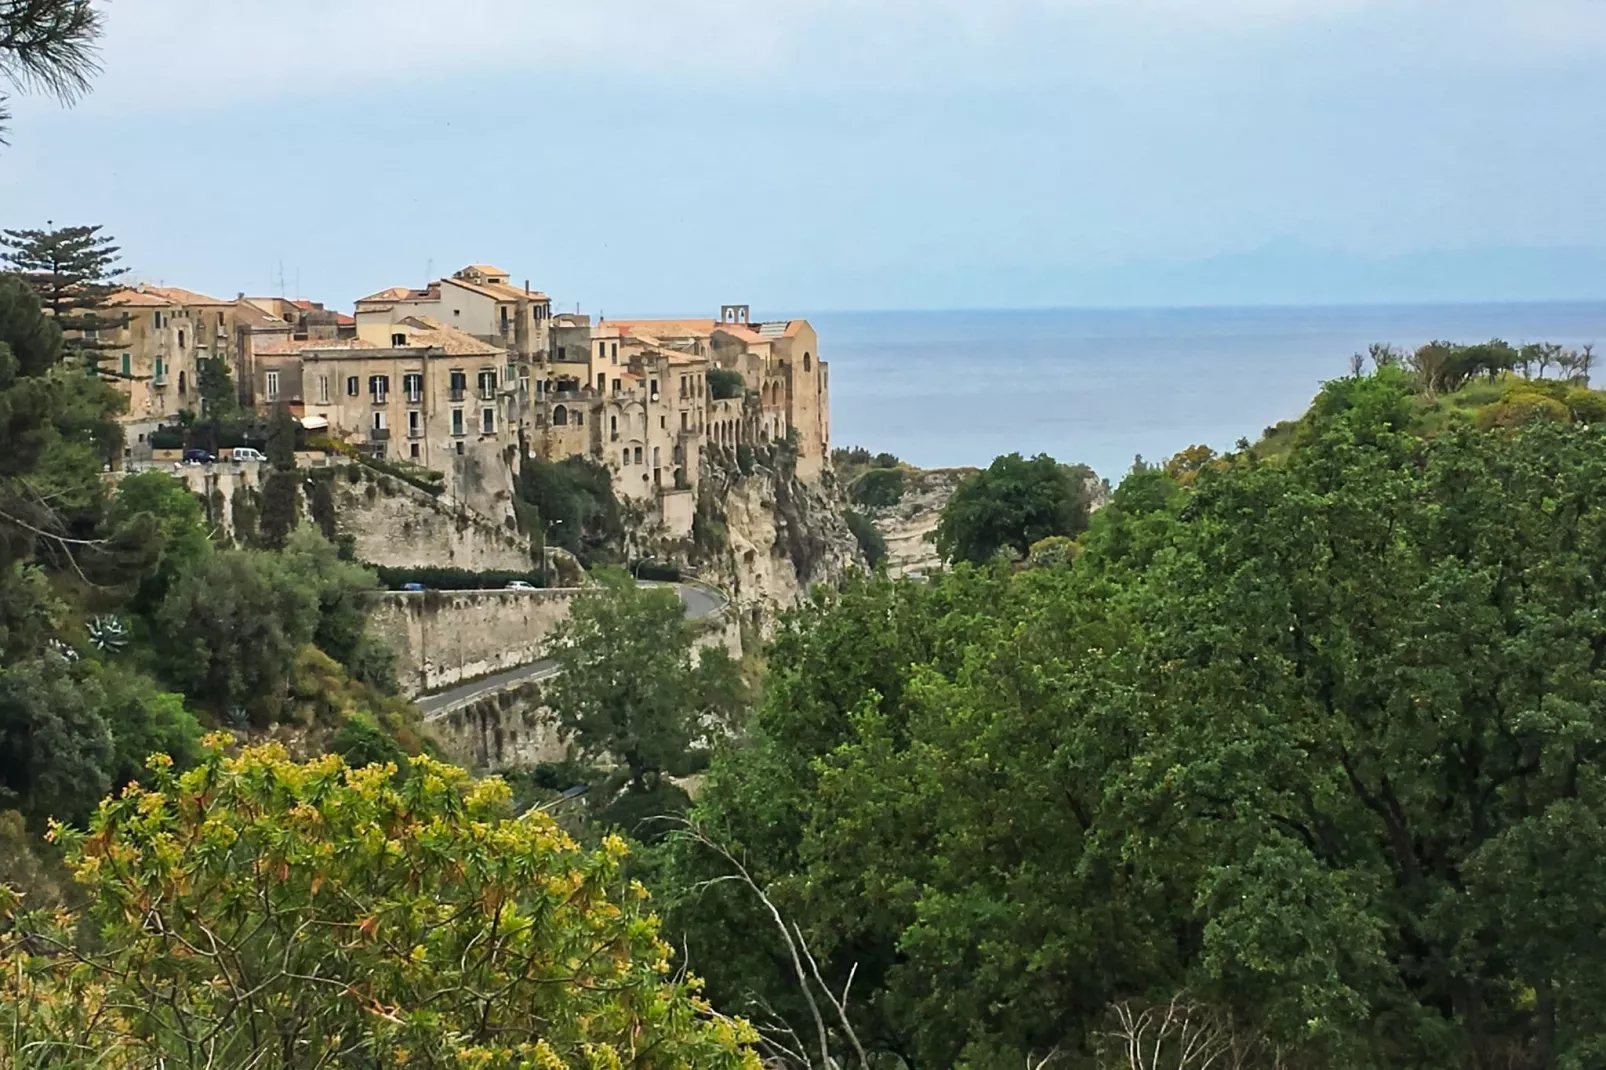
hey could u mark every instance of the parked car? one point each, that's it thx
(198, 457)
(520, 585)
(246, 453)
(413, 587)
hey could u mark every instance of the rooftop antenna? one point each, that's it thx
(298, 284)
(281, 280)
(429, 272)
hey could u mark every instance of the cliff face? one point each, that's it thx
(907, 525)
(766, 536)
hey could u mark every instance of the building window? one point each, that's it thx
(379, 388)
(397, 340)
(655, 460)
(663, 422)
(579, 418)
(273, 386)
(128, 364)
(616, 352)
(414, 423)
(602, 349)
(487, 421)
(685, 417)
(560, 416)
(160, 379)
(353, 386)
(624, 455)
(602, 382)
(158, 316)
(323, 390)
(379, 419)
(613, 428)
(413, 385)
(459, 384)
(412, 450)
(638, 454)
(487, 383)
(459, 448)
(561, 354)
(457, 422)
(616, 386)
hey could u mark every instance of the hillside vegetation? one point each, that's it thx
(1293, 759)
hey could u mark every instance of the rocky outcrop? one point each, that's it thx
(765, 536)
(909, 525)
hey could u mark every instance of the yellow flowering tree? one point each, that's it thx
(256, 912)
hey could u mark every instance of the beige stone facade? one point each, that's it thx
(164, 332)
(415, 390)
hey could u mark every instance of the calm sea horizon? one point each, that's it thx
(952, 388)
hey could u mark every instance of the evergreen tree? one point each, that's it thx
(47, 45)
(72, 270)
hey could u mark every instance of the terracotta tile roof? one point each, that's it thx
(486, 269)
(693, 328)
(135, 297)
(395, 293)
(184, 297)
(428, 331)
(345, 320)
(742, 333)
(498, 290)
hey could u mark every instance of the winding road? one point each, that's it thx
(700, 602)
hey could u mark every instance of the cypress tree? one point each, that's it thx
(72, 270)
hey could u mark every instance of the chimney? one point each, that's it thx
(526, 287)
(240, 296)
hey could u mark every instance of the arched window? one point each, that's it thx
(807, 363)
(181, 382)
(560, 416)
(624, 455)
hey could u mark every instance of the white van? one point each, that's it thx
(246, 453)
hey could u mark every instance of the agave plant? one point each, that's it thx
(63, 651)
(108, 634)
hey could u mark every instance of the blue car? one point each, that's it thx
(412, 587)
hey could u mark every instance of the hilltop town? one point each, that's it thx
(470, 373)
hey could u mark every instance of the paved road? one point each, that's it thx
(700, 602)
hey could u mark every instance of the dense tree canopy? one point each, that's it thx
(1010, 505)
(1315, 741)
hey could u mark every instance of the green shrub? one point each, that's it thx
(878, 488)
(745, 462)
(441, 578)
(1588, 406)
(1056, 551)
(1521, 408)
(724, 384)
(871, 544)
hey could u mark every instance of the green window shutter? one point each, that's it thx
(128, 364)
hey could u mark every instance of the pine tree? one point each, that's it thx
(72, 270)
(48, 45)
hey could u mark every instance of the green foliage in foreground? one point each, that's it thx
(257, 912)
(1317, 742)
(1010, 505)
(632, 687)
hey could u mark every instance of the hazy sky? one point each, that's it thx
(667, 155)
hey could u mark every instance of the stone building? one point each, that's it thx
(163, 334)
(415, 390)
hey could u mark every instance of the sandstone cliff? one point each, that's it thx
(763, 535)
(908, 525)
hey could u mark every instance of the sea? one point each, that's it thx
(946, 389)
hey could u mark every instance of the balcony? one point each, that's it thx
(458, 393)
(414, 397)
(380, 398)
(487, 393)
(159, 379)
(379, 434)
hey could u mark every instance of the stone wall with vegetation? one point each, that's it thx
(442, 638)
